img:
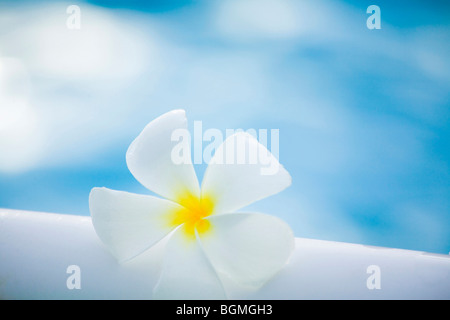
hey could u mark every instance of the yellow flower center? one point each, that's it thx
(193, 214)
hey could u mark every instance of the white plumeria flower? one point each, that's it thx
(208, 240)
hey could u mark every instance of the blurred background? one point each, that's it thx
(364, 115)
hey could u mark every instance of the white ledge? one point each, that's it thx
(37, 248)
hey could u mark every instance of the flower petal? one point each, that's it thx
(249, 248)
(151, 157)
(241, 172)
(128, 223)
(186, 271)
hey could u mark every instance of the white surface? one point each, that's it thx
(37, 248)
